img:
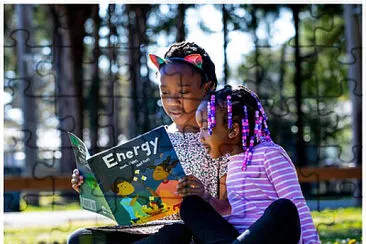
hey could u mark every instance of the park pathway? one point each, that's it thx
(51, 218)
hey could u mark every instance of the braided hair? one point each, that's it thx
(241, 106)
(183, 49)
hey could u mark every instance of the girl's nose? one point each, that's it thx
(174, 100)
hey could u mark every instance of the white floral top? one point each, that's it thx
(196, 161)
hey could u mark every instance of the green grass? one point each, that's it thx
(340, 225)
(53, 207)
(44, 235)
(334, 226)
(49, 203)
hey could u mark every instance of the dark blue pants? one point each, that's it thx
(279, 224)
(103, 235)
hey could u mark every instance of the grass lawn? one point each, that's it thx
(43, 235)
(49, 203)
(340, 225)
(334, 226)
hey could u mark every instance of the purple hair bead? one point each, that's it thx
(229, 112)
(211, 114)
(213, 111)
(209, 123)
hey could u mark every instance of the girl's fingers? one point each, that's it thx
(190, 185)
(193, 184)
(75, 187)
(187, 178)
(185, 193)
(191, 190)
(189, 181)
(74, 181)
(74, 176)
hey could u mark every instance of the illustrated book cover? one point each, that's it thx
(132, 183)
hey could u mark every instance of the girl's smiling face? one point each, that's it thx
(218, 144)
(181, 92)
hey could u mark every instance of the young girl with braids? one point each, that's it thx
(187, 74)
(267, 205)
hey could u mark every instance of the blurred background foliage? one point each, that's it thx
(84, 68)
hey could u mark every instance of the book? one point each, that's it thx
(131, 183)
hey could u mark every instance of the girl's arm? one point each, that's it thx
(221, 204)
(190, 185)
(282, 174)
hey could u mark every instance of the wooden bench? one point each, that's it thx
(58, 183)
(317, 174)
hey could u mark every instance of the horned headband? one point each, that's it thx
(194, 59)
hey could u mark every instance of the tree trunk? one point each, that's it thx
(353, 31)
(134, 69)
(69, 53)
(137, 16)
(225, 33)
(300, 144)
(181, 29)
(301, 157)
(94, 99)
(254, 25)
(282, 71)
(113, 87)
(28, 86)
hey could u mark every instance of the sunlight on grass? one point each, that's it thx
(49, 203)
(44, 235)
(343, 225)
(334, 226)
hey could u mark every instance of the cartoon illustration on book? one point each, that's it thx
(132, 206)
(167, 187)
(134, 182)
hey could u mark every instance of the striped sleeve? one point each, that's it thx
(282, 174)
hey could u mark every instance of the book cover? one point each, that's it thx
(91, 196)
(137, 179)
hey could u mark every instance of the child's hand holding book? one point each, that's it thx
(191, 185)
(76, 180)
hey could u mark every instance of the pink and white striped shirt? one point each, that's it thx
(270, 175)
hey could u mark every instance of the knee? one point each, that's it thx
(189, 204)
(287, 211)
(75, 236)
(286, 205)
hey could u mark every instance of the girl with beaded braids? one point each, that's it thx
(267, 205)
(187, 74)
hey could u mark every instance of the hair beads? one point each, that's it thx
(242, 103)
(245, 125)
(260, 133)
(213, 111)
(256, 125)
(229, 112)
(209, 123)
(211, 114)
(265, 130)
(245, 128)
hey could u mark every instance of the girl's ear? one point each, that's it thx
(207, 86)
(235, 131)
